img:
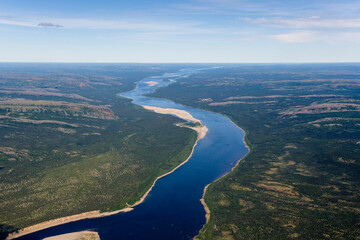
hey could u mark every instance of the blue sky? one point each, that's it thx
(179, 31)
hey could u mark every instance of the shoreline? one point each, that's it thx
(96, 213)
(201, 130)
(151, 83)
(83, 235)
(202, 200)
(206, 207)
(63, 220)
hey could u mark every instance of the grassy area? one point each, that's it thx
(300, 180)
(70, 145)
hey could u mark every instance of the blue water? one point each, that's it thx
(172, 210)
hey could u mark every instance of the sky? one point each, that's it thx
(219, 31)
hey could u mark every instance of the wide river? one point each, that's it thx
(172, 210)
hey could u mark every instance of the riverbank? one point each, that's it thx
(84, 235)
(200, 129)
(63, 220)
(202, 200)
(201, 132)
(206, 207)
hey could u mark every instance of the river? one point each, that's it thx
(172, 210)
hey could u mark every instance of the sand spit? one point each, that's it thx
(179, 113)
(151, 83)
(63, 220)
(85, 235)
(202, 130)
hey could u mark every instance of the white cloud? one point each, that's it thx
(297, 37)
(313, 36)
(311, 22)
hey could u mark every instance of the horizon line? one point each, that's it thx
(60, 62)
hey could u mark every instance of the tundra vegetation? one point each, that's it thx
(69, 145)
(302, 122)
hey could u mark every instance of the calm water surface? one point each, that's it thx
(172, 210)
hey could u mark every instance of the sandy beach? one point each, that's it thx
(151, 83)
(63, 220)
(207, 210)
(179, 113)
(84, 235)
(202, 130)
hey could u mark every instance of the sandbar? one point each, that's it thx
(201, 129)
(63, 220)
(151, 83)
(84, 235)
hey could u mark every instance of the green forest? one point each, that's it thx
(69, 144)
(302, 123)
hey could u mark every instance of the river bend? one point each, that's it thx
(172, 210)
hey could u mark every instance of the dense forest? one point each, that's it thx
(69, 144)
(302, 123)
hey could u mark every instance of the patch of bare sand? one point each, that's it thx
(179, 113)
(84, 235)
(151, 83)
(201, 129)
(63, 220)
(206, 207)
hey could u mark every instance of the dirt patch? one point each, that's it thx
(278, 187)
(302, 170)
(237, 102)
(272, 171)
(283, 96)
(346, 161)
(224, 203)
(317, 108)
(238, 187)
(291, 146)
(227, 235)
(246, 204)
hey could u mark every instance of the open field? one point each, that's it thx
(301, 178)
